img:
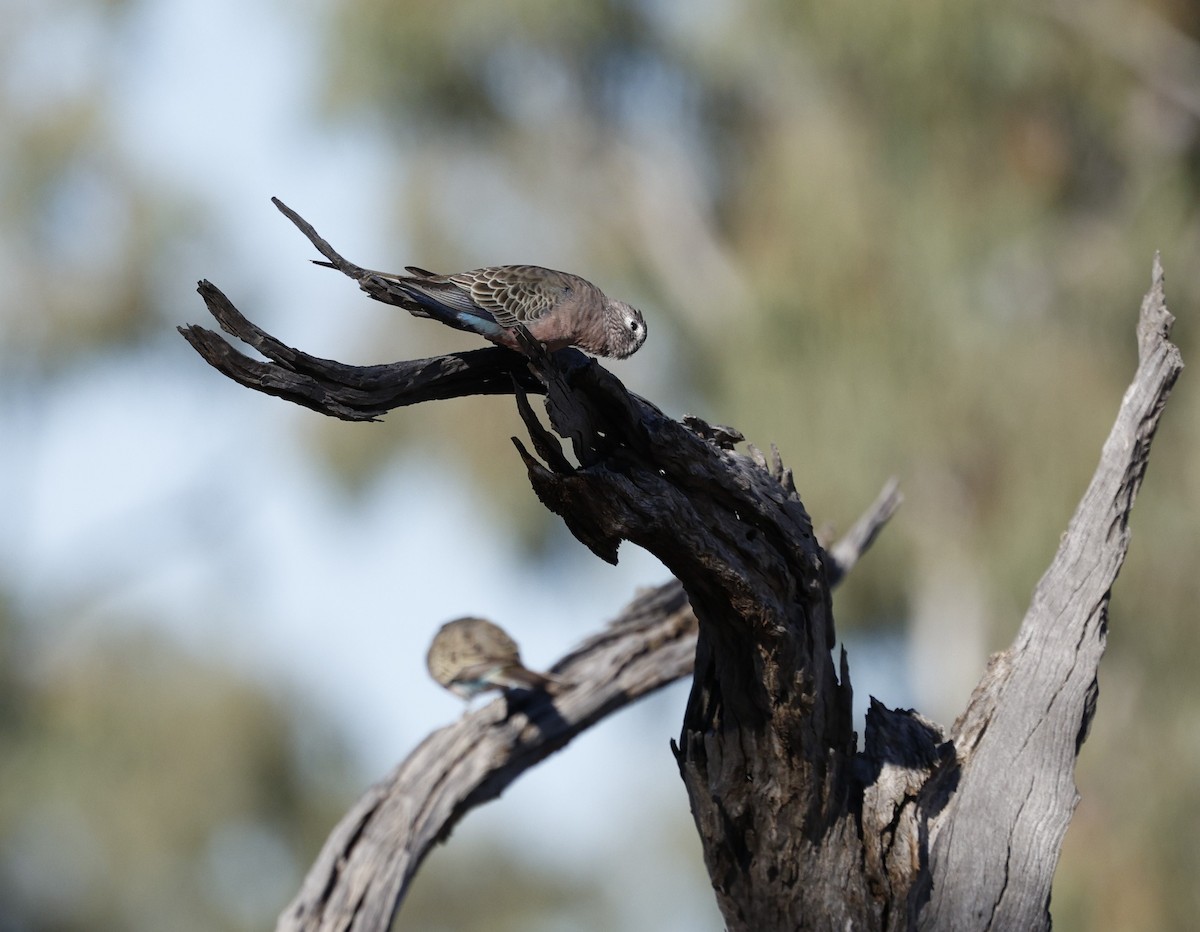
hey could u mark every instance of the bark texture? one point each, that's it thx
(363, 872)
(1000, 810)
(800, 828)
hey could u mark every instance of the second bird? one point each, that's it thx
(557, 308)
(471, 655)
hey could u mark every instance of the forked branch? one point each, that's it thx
(363, 873)
(800, 828)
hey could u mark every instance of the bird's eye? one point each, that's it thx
(633, 326)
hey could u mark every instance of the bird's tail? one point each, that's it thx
(514, 677)
(423, 294)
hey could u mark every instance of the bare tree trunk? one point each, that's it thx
(997, 815)
(800, 829)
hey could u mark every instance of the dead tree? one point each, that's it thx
(923, 828)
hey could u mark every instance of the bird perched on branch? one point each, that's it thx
(557, 308)
(471, 655)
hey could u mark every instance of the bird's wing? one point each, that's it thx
(482, 672)
(515, 294)
(430, 295)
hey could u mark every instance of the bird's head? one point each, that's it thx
(626, 330)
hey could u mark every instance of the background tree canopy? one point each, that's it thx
(905, 239)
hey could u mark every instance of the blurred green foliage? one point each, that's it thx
(85, 234)
(140, 786)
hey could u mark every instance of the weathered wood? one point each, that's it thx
(768, 750)
(363, 872)
(841, 557)
(799, 829)
(994, 844)
(352, 393)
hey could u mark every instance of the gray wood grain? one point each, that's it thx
(995, 843)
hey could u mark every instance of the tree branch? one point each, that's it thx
(842, 556)
(362, 875)
(352, 393)
(995, 842)
(799, 829)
